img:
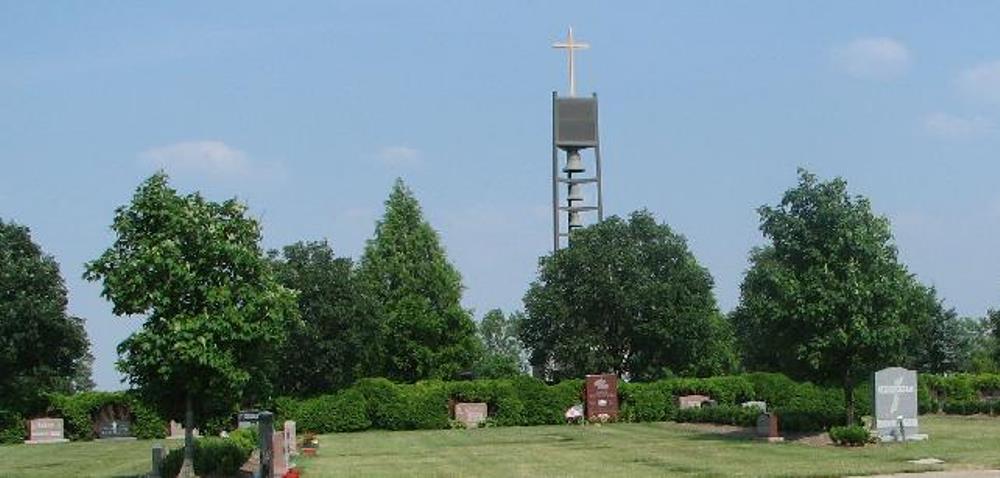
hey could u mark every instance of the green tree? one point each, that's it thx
(626, 297)
(412, 295)
(41, 346)
(826, 299)
(503, 353)
(941, 341)
(212, 307)
(992, 323)
(976, 335)
(324, 352)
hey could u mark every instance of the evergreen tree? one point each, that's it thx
(412, 295)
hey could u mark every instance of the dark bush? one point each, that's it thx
(850, 436)
(213, 457)
(12, 428)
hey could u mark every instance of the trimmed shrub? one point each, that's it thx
(345, 411)
(213, 457)
(420, 406)
(972, 407)
(12, 428)
(720, 414)
(850, 436)
(792, 419)
(646, 402)
(247, 438)
(774, 388)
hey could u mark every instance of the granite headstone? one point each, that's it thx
(45, 430)
(114, 421)
(895, 404)
(691, 401)
(602, 397)
(471, 414)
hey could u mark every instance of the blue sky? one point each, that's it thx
(309, 111)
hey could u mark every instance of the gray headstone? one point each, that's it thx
(45, 430)
(114, 421)
(247, 418)
(895, 404)
(265, 425)
(158, 454)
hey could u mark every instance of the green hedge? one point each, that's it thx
(954, 392)
(78, 412)
(972, 407)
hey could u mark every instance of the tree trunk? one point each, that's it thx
(849, 398)
(187, 469)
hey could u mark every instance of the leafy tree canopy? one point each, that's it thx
(412, 293)
(627, 296)
(42, 348)
(826, 299)
(213, 309)
(503, 353)
(324, 352)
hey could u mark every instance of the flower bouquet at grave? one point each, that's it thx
(309, 444)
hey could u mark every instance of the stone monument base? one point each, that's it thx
(51, 440)
(771, 439)
(116, 439)
(894, 438)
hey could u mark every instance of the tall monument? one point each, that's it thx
(574, 131)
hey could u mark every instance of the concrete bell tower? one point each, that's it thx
(574, 133)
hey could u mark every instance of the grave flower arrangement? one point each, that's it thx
(309, 444)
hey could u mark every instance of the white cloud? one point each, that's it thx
(948, 126)
(399, 156)
(981, 81)
(878, 58)
(211, 159)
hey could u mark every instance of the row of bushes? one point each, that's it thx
(963, 387)
(972, 407)
(381, 404)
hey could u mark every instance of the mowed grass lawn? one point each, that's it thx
(650, 449)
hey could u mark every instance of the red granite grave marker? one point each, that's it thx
(602, 397)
